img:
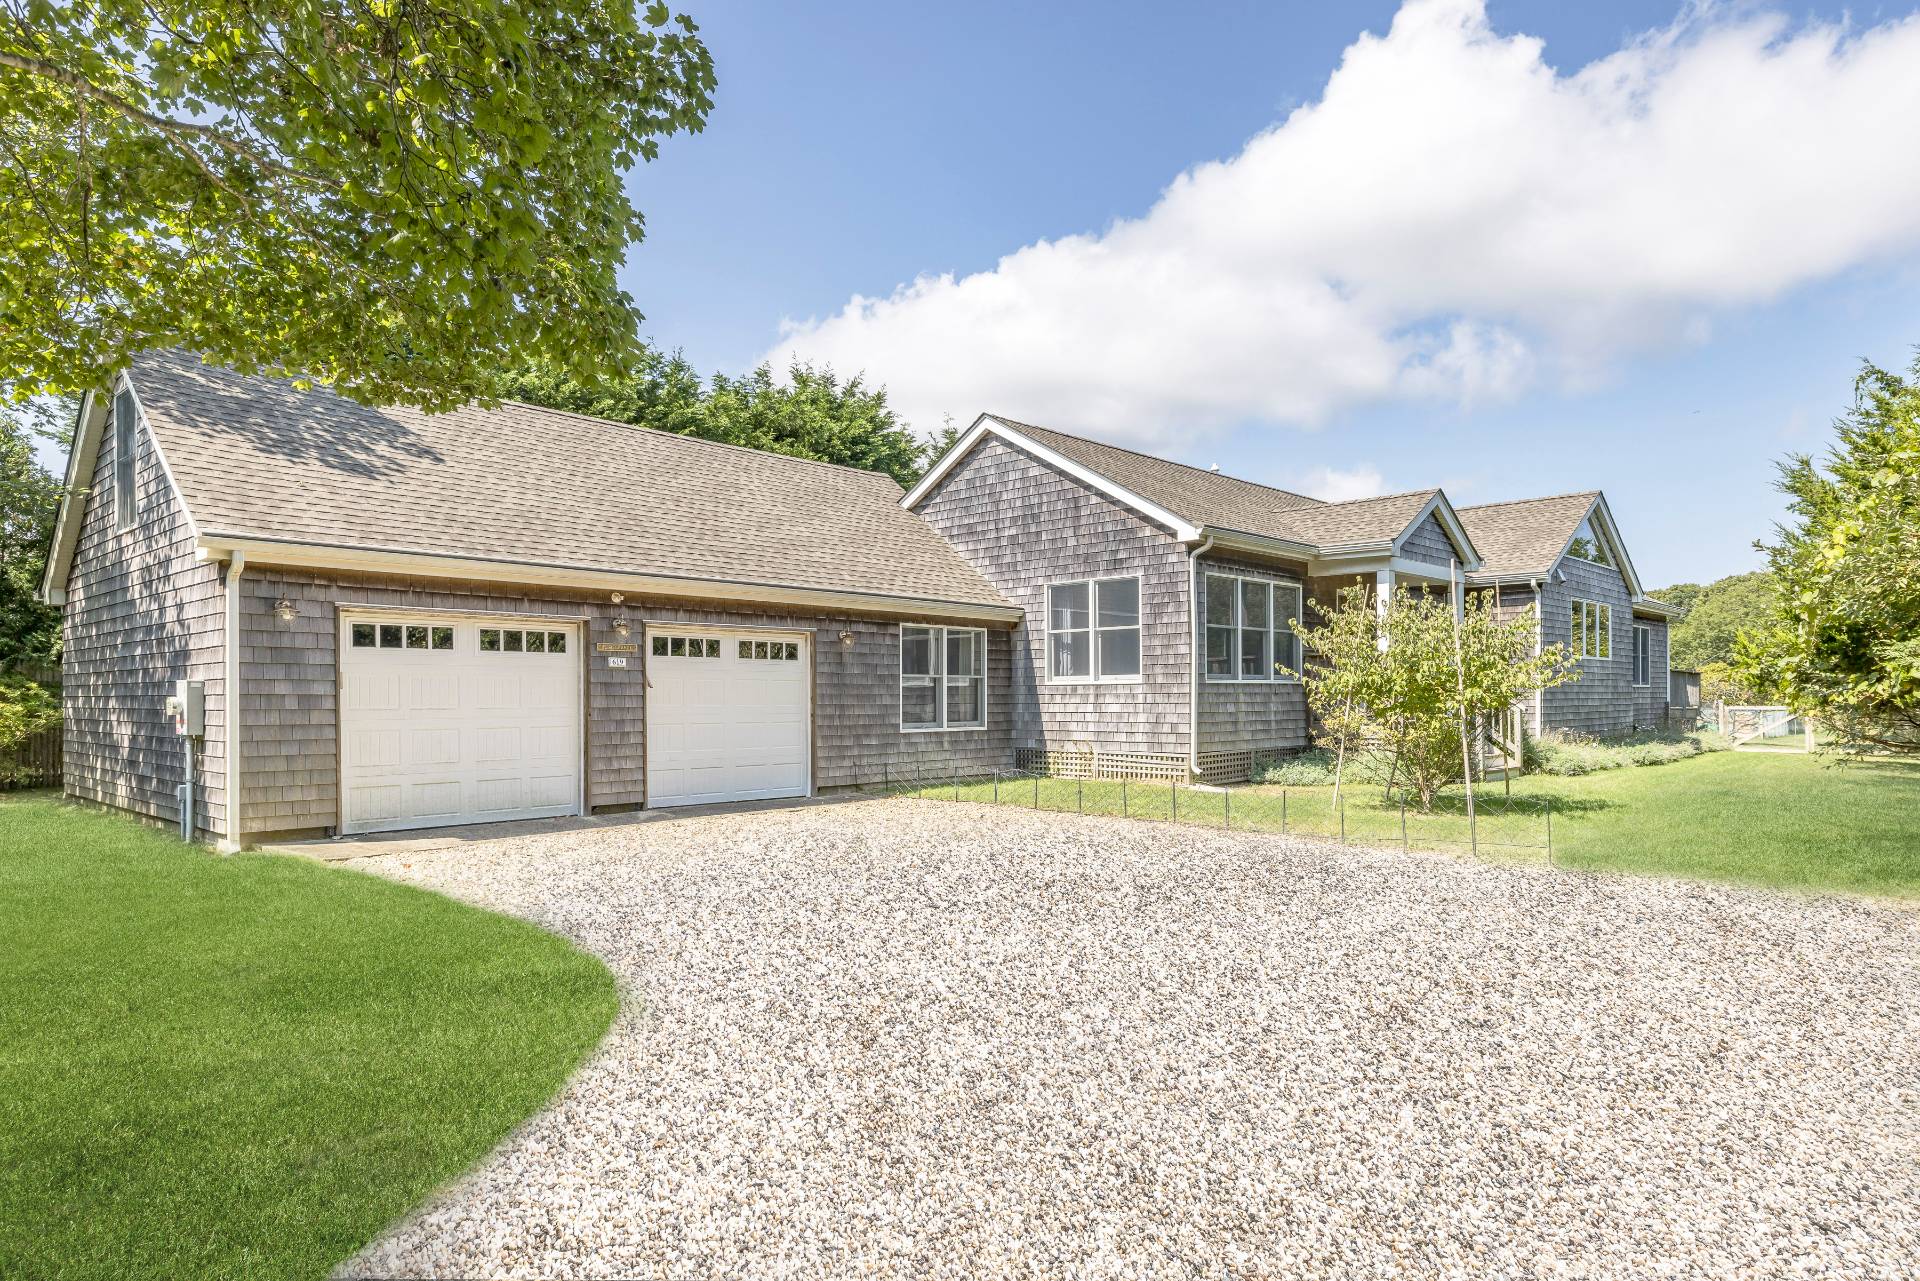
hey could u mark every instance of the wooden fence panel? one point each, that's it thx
(34, 763)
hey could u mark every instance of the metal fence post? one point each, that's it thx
(1226, 810)
(1343, 820)
(1283, 811)
(1036, 791)
(1176, 800)
(996, 787)
(1123, 799)
(918, 787)
(1403, 825)
(1549, 829)
(1473, 830)
(956, 780)
(1080, 790)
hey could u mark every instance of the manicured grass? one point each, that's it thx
(1771, 818)
(245, 1067)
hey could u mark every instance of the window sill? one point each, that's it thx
(1070, 682)
(1252, 680)
(941, 729)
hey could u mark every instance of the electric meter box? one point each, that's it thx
(188, 707)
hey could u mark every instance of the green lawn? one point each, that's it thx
(245, 1067)
(1771, 818)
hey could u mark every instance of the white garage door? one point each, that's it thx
(446, 721)
(727, 716)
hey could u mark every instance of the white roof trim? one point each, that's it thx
(1611, 532)
(1440, 507)
(88, 425)
(986, 424)
(216, 545)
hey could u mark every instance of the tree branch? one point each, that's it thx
(179, 130)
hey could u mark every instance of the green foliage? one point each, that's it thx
(393, 198)
(29, 501)
(1570, 756)
(1716, 614)
(1407, 696)
(1720, 683)
(1316, 767)
(26, 708)
(813, 415)
(1844, 644)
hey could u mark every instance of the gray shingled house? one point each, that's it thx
(401, 620)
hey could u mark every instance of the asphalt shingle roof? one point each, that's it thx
(1525, 536)
(1227, 502)
(259, 457)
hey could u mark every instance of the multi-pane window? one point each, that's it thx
(399, 636)
(686, 646)
(518, 640)
(1592, 634)
(1589, 546)
(773, 651)
(1642, 655)
(1093, 630)
(1248, 637)
(943, 677)
(126, 422)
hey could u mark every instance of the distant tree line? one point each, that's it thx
(813, 413)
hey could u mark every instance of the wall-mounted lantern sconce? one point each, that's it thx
(623, 629)
(846, 634)
(285, 610)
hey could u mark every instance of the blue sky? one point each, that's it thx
(1666, 353)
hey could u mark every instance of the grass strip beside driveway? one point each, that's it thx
(247, 1066)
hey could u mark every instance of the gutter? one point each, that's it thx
(230, 699)
(1195, 643)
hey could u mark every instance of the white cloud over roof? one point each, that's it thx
(1453, 219)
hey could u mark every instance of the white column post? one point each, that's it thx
(1382, 600)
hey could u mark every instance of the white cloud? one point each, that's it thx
(1338, 485)
(1453, 219)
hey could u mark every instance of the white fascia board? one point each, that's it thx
(87, 428)
(215, 545)
(1441, 509)
(1240, 540)
(1647, 606)
(1180, 527)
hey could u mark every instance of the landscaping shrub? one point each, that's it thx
(1570, 755)
(1314, 768)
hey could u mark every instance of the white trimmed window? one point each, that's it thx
(1589, 546)
(1248, 638)
(943, 677)
(1592, 635)
(1642, 655)
(1093, 630)
(126, 435)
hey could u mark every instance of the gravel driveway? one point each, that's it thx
(925, 1039)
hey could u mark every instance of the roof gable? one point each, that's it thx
(1194, 502)
(259, 459)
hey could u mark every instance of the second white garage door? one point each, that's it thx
(727, 716)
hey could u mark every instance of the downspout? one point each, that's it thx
(1539, 647)
(230, 697)
(1195, 643)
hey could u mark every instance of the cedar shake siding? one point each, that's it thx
(1603, 700)
(291, 711)
(1023, 525)
(1429, 544)
(1509, 603)
(1250, 716)
(141, 613)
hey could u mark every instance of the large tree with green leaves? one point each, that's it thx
(392, 196)
(29, 501)
(813, 413)
(1844, 645)
(1717, 613)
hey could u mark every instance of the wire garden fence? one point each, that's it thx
(1498, 826)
